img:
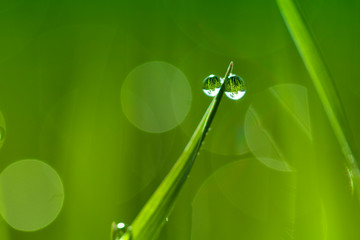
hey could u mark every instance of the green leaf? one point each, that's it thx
(322, 81)
(152, 216)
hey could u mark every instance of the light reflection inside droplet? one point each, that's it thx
(120, 225)
(235, 95)
(211, 93)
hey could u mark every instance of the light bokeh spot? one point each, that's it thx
(294, 99)
(31, 195)
(276, 121)
(156, 97)
(246, 200)
(262, 144)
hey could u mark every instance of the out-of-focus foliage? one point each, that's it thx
(63, 66)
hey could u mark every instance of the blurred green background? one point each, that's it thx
(99, 98)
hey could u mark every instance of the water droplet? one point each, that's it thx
(211, 85)
(167, 219)
(235, 87)
(118, 229)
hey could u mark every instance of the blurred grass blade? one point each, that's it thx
(322, 81)
(152, 216)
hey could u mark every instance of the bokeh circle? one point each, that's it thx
(156, 97)
(31, 195)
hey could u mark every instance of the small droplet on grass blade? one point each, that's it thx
(211, 85)
(117, 230)
(235, 87)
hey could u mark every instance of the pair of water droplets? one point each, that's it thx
(234, 86)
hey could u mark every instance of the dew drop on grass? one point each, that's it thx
(211, 85)
(235, 87)
(118, 229)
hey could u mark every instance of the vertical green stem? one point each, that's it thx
(322, 82)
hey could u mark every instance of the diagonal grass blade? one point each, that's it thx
(153, 215)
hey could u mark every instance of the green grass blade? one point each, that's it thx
(322, 81)
(152, 216)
